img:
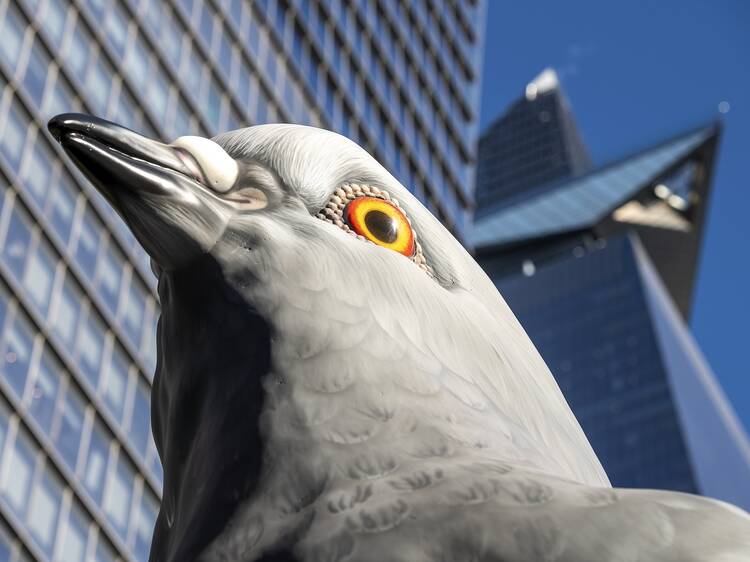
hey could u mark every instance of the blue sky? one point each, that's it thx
(635, 73)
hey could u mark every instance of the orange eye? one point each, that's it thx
(381, 222)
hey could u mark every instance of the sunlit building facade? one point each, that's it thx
(79, 475)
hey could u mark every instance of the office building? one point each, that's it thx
(600, 270)
(79, 475)
(532, 143)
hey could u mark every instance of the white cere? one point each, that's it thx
(219, 169)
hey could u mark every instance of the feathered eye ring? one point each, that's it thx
(373, 215)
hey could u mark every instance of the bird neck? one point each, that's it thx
(206, 402)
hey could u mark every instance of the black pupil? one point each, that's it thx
(382, 226)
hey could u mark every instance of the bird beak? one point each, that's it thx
(158, 189)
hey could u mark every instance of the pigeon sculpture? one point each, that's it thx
(338, 380)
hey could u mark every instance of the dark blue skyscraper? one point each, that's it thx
(599, 270)
(534, 142)
(79, 474)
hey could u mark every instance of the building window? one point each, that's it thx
(136, 63)
(70, 427)
(36, 73)
(96, 462)
(38, 169)
(53, 19)
(17, 474)
(126, 111)
(80, 44)
(39, 275)
(158, 95)
(109, 276)
(192, 69)
(12, 30)
(116, 27)
(145, 522)
(17, 241)
(44, 389)
(154, 463)
(118, 496)
(98, 83)
(214, 104)
(61, 206)
(90, 345)
(115, 382)
(133, 310)
(16, 352)
(87, 246)
(13, 136)
(140, 426)
(74, 534)
(44, 509)
(61, 97)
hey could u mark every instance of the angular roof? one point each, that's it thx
(582, 202)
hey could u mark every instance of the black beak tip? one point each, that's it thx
(56, 125)
(70, 122)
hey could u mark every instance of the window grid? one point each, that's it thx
(399, 20)
(58, 430)
(410, 101)
(368, 142)
(82, 277)
(417, 161)
(102, 44)
(204, 48)
(444, 127)
(388, 157)
(298, 84)
(445, 192)
(120, 230)
(457, 95)
(450, 24)
(62, 351)
(101, 207)
(17, 429)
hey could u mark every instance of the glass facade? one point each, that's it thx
(618, 346)
(590, 320)
(599, 270)
(533, 143)
(79, 475)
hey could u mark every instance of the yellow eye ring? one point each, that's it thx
(380, 222)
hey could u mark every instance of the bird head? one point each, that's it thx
(303, 215)
(288, 251)
(257, 186)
